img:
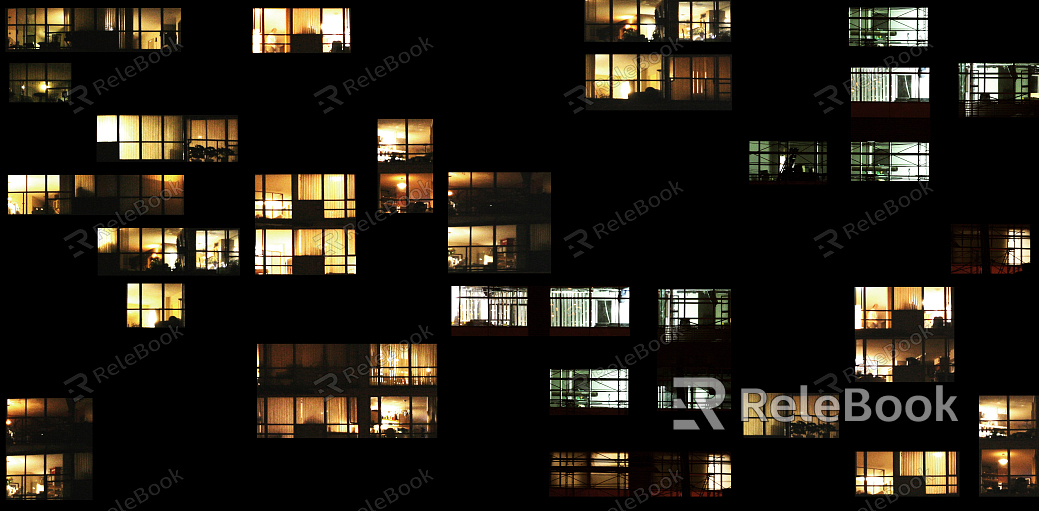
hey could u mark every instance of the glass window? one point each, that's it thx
(403, 416)
(1008, 472)
(588, 388)
(500, 306)
(887, 26)
(874, 473)
(273, 196)
(1009, 248)
(998, 89)
(405, 140)
(39, 194)
(693, 314)
(890, 161)
(39, 82)
(406, 192)
(787, 161)
(276, 250)
(143, 137)
(213, 139)
(336, 191)
(154, 305)
(894, 84)
(589, 307)
(790, 423)
(652, 77)
(404, 364)
(589, 474)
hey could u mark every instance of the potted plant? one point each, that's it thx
(201, 153)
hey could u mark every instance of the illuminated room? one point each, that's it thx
(315, 251)
(388, 364)
(340, 417)
(919, 473)
(38, 195)
(39, 82)
(621, 474)
(693, 314)
(488, 310)
(163, 250)
(481, 248)
(49, 449)
(589, 310)
(652, 78)
(93, 29)
(1008, 473)
(301, 30)
(588, 391)
(405, 192)
(155, 305)
(887, 26)
(1007, 418)
(791, 405)
(167, 137)
(787, 162)
(890, 161)
(903, 308)
(95, 194)
(999, 90)
(405, 140)
(316, 196)
(647, 20)
(889, 345)
(1009, 248)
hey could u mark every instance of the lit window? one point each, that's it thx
(890, 161)
(499, 306)
(301, 30)
(787, 162)
(155, 305)
(891, 84)
(589, 307)
(887, 26)
(588, 388)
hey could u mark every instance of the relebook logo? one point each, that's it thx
(917, 408)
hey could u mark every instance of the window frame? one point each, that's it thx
(768, 161)
(507, 311)
(164, 313)
(345, 261)
(282, 43)
(58, 73)
(621, 300)
(914, 21)
(867, 159)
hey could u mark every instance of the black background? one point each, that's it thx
(495, 81)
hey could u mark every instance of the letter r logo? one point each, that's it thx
(705, 404)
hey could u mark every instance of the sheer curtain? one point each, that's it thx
(391, 362)
(306, 21)
(424, 362)
(333, 195)
(309, 242)
(310, 186)
(908, 298)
